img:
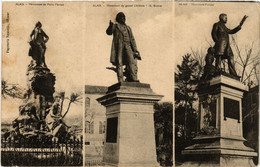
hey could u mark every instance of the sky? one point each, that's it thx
(194, 22)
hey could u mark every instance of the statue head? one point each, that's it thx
(211, 50)
(56, 108)
(120, 18)
(210, 56)
(38, 24)
(223, 17)
(57, 98)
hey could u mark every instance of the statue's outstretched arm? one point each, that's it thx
(243, 20)
(239, 26)
(235, 30)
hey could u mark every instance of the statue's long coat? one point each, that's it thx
(117, 49)
(220, 36)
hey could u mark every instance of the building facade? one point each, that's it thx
(95, 121)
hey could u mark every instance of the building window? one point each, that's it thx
(87, 102)
(102, 127)
(87, 106)
(90, 127)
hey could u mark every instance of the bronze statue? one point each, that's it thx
(209, 68)
(38, 47)
(124, 50)
(222, 47)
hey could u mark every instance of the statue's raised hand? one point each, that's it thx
(110, 23)
(137, 55)
(243, 20)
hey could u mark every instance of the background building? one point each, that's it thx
(95, 123)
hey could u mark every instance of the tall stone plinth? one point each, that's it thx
(37, 100)
(41, 87)
(220, 139)
(130, 133)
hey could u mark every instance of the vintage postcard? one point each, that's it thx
(137, 83)
(60, 59)
(216, 83)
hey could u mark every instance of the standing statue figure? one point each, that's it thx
(222, 47)
(124, 50)
(209, 68)
(38, 47)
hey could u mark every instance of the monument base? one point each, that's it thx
(130, 133)
(222, 161)
(220, 107)
(132, 165)
(219, 151)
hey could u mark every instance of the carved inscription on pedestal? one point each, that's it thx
(231, 108)
(112, 124)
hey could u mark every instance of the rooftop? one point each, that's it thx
(91, 89)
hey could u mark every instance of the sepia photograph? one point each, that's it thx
(129, 84)
(133, 83)
(216, 83)
(42, 86)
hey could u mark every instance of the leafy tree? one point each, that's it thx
(251, 119)
(163, 120)
(186, 79)
(12, 90)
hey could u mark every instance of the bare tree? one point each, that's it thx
(247, 63)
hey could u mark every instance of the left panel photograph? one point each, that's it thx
(42, 85)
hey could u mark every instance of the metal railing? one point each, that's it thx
(47, 152)
(96, 162)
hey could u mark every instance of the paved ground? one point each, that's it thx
(93, 155)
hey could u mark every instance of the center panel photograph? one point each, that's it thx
(128, 84)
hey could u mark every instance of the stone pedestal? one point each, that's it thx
(38, 98)
(41, 81)
(220, 139)
(130, 133)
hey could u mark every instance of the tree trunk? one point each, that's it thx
(61, 107)
(67, 110)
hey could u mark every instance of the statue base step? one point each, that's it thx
(221, 161)
(219, 151)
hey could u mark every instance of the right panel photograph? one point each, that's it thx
(216, 83)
